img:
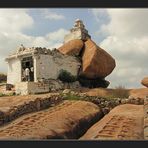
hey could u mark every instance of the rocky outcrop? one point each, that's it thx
(145, 81)
(69, 120)
(105, 103)
(20, 105)
(96, 62)
(125, 122)
(72, 47)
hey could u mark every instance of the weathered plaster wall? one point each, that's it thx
(48, 66)
(14, 71)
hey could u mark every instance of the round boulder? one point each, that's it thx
(96, 62)
(145, 81)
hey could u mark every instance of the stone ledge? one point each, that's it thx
(8, 114)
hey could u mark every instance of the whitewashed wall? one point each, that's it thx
(14, 71)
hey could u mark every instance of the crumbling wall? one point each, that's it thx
(14, 71)
(49, 66)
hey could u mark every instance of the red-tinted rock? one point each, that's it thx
(145, 81)
(68, 120)
(96, 62)
(124, 122)
(72, 47)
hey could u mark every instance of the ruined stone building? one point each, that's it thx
(77, 32)
(78, 56)
(46, 64)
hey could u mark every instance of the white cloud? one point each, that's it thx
(128, 22)
(127, 42)
(51, 40)
(48, 14)
(99, 14)
(13, 22)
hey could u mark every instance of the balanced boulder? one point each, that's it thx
(72, 47)
(145, 81)
(96, 62)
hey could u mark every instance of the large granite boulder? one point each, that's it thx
(96, 62)
(72, 47)
(145, 81)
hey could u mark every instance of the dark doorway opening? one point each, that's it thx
(27, 65)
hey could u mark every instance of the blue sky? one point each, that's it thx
(43, 26)
(121, 32)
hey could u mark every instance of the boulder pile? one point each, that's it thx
(96, 63)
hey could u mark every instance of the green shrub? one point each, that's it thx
(9, 94)
(1, 94)
(66, 76)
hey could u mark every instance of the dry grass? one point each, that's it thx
(117, 92)
(120, 92)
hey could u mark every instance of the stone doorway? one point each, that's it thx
(27, 62)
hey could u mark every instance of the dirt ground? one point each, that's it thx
(105, 92)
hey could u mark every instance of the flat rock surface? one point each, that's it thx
(139, 92)
(13, 107)
(124, 122)
(69, 119)
(17, 100)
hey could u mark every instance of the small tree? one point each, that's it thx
(66, 76)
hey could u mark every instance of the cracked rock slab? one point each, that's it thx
(124, 122)
(68, 120)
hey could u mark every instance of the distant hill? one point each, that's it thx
(3, 77)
